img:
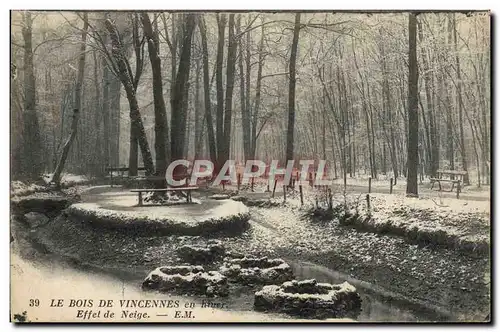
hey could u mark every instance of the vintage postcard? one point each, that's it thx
(250, 166)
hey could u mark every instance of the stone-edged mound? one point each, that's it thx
(46, 203)
(186, 280)
(229, 216)
(252, 271)
(214, 250)
(477, 245)
(310, 299)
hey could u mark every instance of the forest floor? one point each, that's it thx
(453, 284)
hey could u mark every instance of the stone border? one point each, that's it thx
(230, 221)
(186, 279)
(213, 251)
(309, 298)
(420, 235)
(250, 270)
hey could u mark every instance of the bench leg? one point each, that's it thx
(140, 198)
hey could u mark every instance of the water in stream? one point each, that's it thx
(373, 308)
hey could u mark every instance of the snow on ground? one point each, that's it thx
(437, 204)
(19, 188)
(67, 179)
(466, 220)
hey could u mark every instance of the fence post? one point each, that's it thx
(239, 181)
(458, 189)
(368, 203)
(110, 176)
(369, 184)
(284, 193)
(330, 199)
(390, 188)
(274, 188)
(301, 195)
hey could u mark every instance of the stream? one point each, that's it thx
(377, 305)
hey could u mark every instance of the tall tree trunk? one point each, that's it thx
(115, 115)
(248, 106)
(366, 113)
(460, 105)
(219, 122)
(388, 112)
(56, 178)
(105, 109)
(130, 85)
(198, 117)
(16, 125)
(178, 100)
(372, 130)
(159, 102)
(258, 88)
(98, 120)
(450, 148)
(32, 148)
(432, 136)
(291, 91)
(245, 113)
(206, 88)
(230, 69)
(412, 164)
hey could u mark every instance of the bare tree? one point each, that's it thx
(178, 98)
(32, 148)
(56, 178)
(291, 91)
(412, 185)
(206, 89)
(161, 129)
(130, 82)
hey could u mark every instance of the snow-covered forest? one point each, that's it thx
(241, 86)
(397, 105)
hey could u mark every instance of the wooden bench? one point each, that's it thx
(451, 174)
(434, 180)
(184, 191)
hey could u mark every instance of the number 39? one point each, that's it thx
(34, 302)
